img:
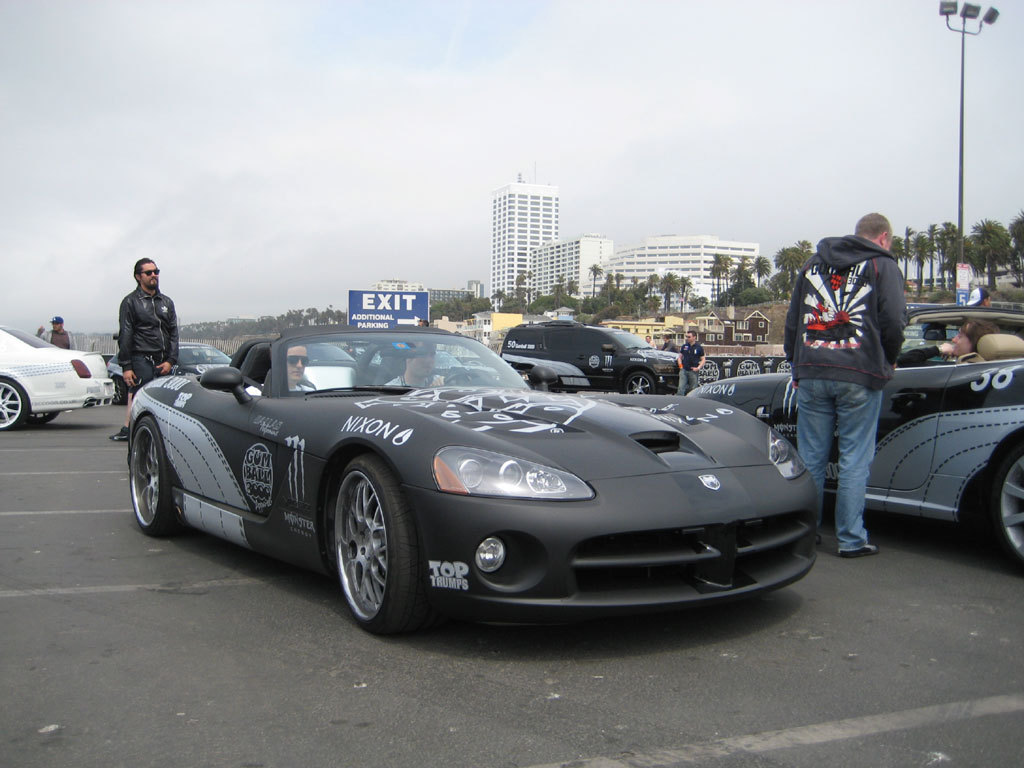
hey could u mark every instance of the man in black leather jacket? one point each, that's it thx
(147, 334)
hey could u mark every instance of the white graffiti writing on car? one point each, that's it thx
(173, 383)
(489, 409)
(997, 379)
(717, 389)
(299, 524)
(297, 468)
(183, 397)
(378, 428)
(258, 475)
(446, 575)
(267, 426)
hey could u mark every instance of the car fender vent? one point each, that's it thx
(659, 441)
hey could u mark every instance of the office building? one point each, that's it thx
(569, 260)
(523, 217)
(690, 256)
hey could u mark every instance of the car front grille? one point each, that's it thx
(705, 559)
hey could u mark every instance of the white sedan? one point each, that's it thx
(39, 380)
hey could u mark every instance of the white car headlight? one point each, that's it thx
(784, 456)
(475, 472)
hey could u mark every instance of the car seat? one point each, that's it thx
(1000, 346)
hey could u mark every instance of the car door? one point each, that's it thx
(908, 423)
(587, 349)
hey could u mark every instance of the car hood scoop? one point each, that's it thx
(602, 436)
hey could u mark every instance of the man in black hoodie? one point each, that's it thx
(844, 330)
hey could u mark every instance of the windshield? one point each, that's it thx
(29, 339)
(629, 341)
(202, 356)
(393, 359)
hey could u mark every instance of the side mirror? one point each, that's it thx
(225, 379)
(541, 378)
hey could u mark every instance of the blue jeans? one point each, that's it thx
(826, 408)
(687, 380)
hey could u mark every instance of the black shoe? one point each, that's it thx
(867, 549)
(121, 435)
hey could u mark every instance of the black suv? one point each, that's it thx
(592, 357)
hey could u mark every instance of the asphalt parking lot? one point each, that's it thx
(122, 650)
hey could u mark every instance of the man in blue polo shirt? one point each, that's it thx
(690, 360)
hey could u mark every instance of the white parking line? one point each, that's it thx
(67, 472)
(65, 512)
(821, 733)
(97, 590)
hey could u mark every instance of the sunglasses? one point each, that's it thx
(297, 359)
(148, 272)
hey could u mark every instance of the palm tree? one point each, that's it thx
(908, 240)
(685, 286)
(498, 298)
(762, 268)
(949, 252)
(720, 267)
(1017, 237)
(992, 245)
(595, 272)
(529, 287)
(559, 290)
(669, 286)
(572, 287)
(933, 233)
(741, 274)
(921, 248)
(789, 261)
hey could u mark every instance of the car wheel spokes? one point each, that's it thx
(145, 475)
(10, 405)
(362, 545)
(1011, 512)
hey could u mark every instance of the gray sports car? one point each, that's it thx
(950, 437)
(422, 471)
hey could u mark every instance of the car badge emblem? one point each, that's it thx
(711, 482)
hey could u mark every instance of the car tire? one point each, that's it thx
(1007, 504)
(376, 550)
(14, 405)
(150, 479)
(638, 383)
(42, 418)
(120, 391)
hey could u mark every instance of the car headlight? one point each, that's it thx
(783, 455)
(475, 472)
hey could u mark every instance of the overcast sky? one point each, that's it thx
(273, 155)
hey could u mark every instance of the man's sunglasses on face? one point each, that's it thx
(148, 272)
(297, 360)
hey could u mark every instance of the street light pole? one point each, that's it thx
(969, 11)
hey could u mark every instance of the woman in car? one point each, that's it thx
(962, 349)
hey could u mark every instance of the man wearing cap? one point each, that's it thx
(979, 298)
(58, 336)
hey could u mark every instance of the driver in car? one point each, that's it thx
(296, 359)
(419, 367)
(962, 349)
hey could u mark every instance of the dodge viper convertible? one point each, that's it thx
(39, 380)
(421, 470)
(950, 437)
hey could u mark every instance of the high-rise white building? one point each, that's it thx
(523, 217)
(570, 260)
(689, 256)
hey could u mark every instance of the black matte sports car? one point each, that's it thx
(950, 437)
(422, 470)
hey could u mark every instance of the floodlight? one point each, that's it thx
(990, 16)
(947, 8)
(970, 11)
